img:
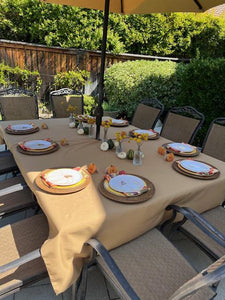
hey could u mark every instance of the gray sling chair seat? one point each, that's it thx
(16, 241)
(15, 104)
(150, 263)
(60, 100)
(150, 268)
(147, 113)
(214, 143)
(182, 124)
(206, 230)
(15, 196)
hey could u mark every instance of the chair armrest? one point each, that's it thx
(200, 222)
(213, 274)
(111, 264)
(20, 261)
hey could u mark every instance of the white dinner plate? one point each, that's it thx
(37, 144)
(126, 183)
(22, 127)
(143, 131)
(181, 147)
(115, 121)
(195, 166)
(64, 177)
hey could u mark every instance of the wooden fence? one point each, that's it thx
(51, 60)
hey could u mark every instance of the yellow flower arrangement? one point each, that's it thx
(107, 123)
(91, 120)
(139, 138)
(120, 136)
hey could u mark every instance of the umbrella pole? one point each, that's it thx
(99, 110)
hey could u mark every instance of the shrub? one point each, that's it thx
(17, 77)
(199, 84)
(89, 104)
(128, 83)
(74, 80)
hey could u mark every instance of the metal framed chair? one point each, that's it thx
(182, 124)
(214, 142)
(150, 267)
(7, 163)
(15, 196)
(18, 104)
(206, 230)
(147, 113)
(59, 103)
(20, 260)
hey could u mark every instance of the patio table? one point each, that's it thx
(74, 218)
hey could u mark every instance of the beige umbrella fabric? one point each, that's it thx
(144, 6)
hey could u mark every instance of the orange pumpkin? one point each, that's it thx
(170, 157)
(92, 168)
(111, 169)
(161, 150)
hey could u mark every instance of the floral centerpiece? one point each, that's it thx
(106, 124)
(120, 136)
(138, 154)
(71, 109)
(91, 121)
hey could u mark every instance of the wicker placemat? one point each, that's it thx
(129, 200)
(153, 137)
(196, 153)
(125, 124)
(21, 132)
(36, 152)
(41, 183)
(195, 175)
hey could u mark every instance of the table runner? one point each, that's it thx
(74, 218)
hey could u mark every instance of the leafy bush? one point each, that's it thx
(128, 83)
(89, 104)
(199, 84)
(174, 34)
(17, 77)
(74, 80)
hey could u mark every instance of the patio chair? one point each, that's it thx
(206, 230)
(15, 104)
(60, 100)
(150, 267)
(17, 240)
(147, 113)
(18, 104)
(15, 197)
(214, 143)
(182, 124)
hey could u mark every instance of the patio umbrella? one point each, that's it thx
(133, 7)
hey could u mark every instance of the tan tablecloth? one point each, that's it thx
(74, 218)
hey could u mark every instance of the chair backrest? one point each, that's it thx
(147, 113)
(60, 100)
(182, 124)
(214, 143)
(18, 104)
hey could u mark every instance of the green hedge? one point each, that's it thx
(74, 80)
(17, 77)
(173, 34)
(199, 84)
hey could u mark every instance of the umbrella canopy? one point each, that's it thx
(144, 6)
(133, 7)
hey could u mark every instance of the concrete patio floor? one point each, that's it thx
(98, 287)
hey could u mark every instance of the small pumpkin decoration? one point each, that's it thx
(111, 144)
(130, 154)
(86, 130)
(111, 169)
(104, 146)
(92, 168)
(44, 126)
(80, 131)
(170, 157)
(161, 150)
(122, 155)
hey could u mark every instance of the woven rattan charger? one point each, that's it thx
(129, 200)
(195, 175)
(38, 152)
(150, 137)
(41, 183)
(22, 132)
(184, 154)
